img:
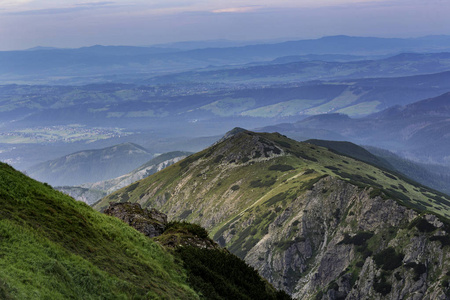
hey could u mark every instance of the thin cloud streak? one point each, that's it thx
(242, 9)
(63, 10)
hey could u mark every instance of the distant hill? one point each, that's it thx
(418, 131)
(310, 220)
(91, 165)
(92, 192)
(313, 69)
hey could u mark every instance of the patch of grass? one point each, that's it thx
(390, 176)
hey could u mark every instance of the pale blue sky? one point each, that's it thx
(70, 23)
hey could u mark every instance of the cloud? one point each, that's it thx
(94, 4)
(242, 9)
(64, 10)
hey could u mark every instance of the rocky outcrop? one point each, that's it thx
(338, 242)
(150, 222)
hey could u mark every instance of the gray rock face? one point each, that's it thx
(325, 259)
(148, 221)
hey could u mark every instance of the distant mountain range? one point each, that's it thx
(312, 68)
(91, 165)
(108, 60)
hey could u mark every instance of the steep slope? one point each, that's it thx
(92, 192)
(91, 165)
(314, 223)
(52, 247)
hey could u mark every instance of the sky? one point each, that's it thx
(71, 24)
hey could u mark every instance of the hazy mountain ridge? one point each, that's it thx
(91, 165)
(418, 131)
(92, 192)
(107, 60)
(396, 66)
(311, 221)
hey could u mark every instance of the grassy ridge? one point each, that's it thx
(236, 180)
(52, 247)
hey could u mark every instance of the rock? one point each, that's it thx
(150, 222)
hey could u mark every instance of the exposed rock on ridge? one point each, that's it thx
(148, 221)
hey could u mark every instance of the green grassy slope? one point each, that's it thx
(250, 168)
(52, 247)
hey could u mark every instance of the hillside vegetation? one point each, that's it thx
(312, 221)
(53, 247)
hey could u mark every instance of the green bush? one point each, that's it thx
(424, 226)
(389, 259)
(418, 268)
(282, 168)
(187, 227)
(359, 239)
(444, 240)
(259, 183)
(217, 274)
(382, 287)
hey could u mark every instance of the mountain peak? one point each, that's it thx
(231, 133)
